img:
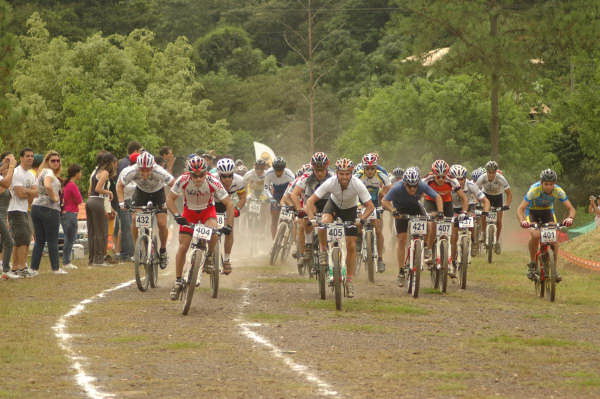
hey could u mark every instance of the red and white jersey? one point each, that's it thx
(198, 197)
(445, 189)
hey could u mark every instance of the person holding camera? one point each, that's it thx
(594, 209)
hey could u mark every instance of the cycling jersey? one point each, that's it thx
(277, 184)
(494, 187)
(380, 168)
(309, 183)
(198, 197)
(445, 189)
(473, 193)
(403, 201)
(254, 182)
(374, 184)
(157, 180)
(539, 200)
(344, 198)
(237, 185)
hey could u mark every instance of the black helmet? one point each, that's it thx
(398, 172)
(279, 163)
(491, 166)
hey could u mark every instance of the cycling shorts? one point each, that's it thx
(402, 224)
(430, 206)
(197, 216)
(496, 201)
(347, 215)
(541, 216)
(141, 198)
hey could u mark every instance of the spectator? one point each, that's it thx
(126, 235)
(132, 147)
(37, 161)
(7, 168)
(111, 209)
(45, 212)
(96, 211)
(71, 200)
(23, 190)
(594, 209)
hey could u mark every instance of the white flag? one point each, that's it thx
(264, 152)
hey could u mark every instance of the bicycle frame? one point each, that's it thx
(146, 228)
(464, 231)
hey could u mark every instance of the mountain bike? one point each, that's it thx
(415, 263)
(477, 236)
(285, 236)
(253, 219)
(191, 275)
(368, 254)
(463, 250)
(146, 258)
(490, 232)
(336, 251)
(441, 254)
(311, 263)
(544, 277)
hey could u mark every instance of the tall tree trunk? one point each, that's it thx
(311, 83)
(494, 90)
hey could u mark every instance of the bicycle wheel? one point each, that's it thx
(464, 263)
(153, 266)
(443, 272)
(475, 240)
(142, 278)
(370, 261)
(278, 243)
(198, 258)
(540, 275)
(336, 256)
(217, 261)
(434, 272)
(415, 275)
(490, 243)
(288, 239)
(322, 276)
(551, 278)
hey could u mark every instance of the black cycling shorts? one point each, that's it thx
(158, 198)
(347, 215)
(541, 216)
(430, 206)
(402, 224)
(496, 201)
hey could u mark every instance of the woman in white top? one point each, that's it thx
(45, 212)
(594, 209)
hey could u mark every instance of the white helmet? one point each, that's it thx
(225, 166)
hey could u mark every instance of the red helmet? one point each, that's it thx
(145, 160)
(370, 159)
(440, 168)
(196, 164)
(344, 164)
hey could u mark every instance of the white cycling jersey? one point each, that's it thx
(237, 184)
(494, 187)
(198, 197)
(254, 182)
(344, 198)
(157, 180)
(276, 185)
(473, 193)
(309, 183)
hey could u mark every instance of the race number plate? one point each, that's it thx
(285, 214)
(220, 220)
(335, 233)
(417, 227)
(478, 212)
(466, 223)
(492, 217)
(255, 207)
(202, 232)
(548, 235)
(143, 220)
(443, 229)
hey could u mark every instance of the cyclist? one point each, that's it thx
(404, 198)
(233, 184)
(150, 180)
(494, 185)
(305, 187)
(397, 174)
(255, 180)
(378, 185)
(444, 185)
(199, 190)
(277, 180)
(474, 195)
(538, 207)
(344, 191)
(240, 168)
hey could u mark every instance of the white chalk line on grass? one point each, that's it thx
(324, 388)
(83, 379)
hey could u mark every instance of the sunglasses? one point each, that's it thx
(370, 168)
(198, 175)
(54, 161)
(229, 176)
